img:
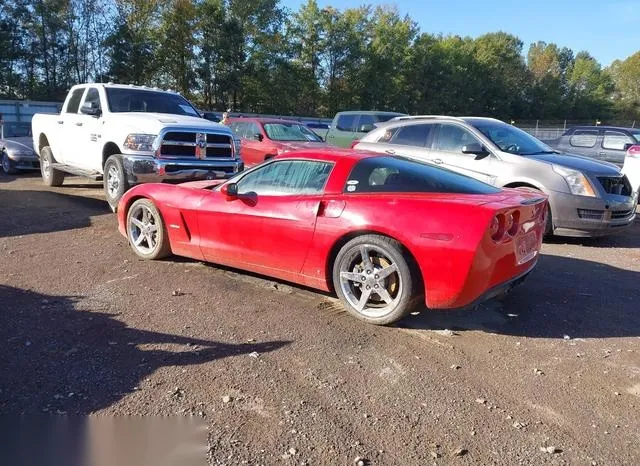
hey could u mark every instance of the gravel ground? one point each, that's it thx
(280, 375)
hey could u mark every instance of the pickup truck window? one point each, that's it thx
(347, 122)
(138, 100)
(93, 97)
(74, 101)
(615, 140)
(583, 138)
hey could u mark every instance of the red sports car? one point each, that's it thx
(389, 235)
(264, 138)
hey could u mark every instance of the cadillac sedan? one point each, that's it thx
(18, 154)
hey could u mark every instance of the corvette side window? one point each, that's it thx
(287, 177)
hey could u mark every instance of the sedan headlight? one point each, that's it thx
(578, 183)
(139, 142)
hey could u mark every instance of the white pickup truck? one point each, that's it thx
(125, 135)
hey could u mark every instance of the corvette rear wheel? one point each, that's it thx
(376, 279)
(146, 230)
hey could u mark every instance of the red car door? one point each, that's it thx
(253, 150)
(269, 227)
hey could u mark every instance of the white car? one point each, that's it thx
(125, 135)
(631, 167)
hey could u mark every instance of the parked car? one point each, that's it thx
(631, 167)
(346, 127)
(264, 138)
(586, 197)
(18, 154)
(387, 234)
(321, 129)
(125, 135)
(211, 116)
(606, 143)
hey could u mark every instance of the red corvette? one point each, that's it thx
(388, 235)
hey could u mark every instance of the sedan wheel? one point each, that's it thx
(146, 231)
(375, 279)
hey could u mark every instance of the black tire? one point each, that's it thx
(548, 226)
(149, 249)
(50, 176)
(403, 286)
(8, 166)
(114, 181)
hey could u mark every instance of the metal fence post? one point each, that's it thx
(536, 128)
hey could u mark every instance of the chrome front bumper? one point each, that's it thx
(149, 169)
(583, 216)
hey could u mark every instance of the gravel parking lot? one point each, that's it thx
(281, 375)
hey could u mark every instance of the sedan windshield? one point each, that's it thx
(138, 100)
(510, 139)
(290, 132)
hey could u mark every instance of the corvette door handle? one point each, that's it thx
(438, 161)
(390, 151)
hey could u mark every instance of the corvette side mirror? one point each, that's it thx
(230, 190)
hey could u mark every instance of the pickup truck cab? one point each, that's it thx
(126, 135)
(350, 126)
(605, 143)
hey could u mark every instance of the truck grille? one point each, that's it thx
(615, 185)
(183, 144)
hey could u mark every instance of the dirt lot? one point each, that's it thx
(282, 376)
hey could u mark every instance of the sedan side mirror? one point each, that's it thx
(89, 108)
(476, 149)
(258, 137)
(230, 190)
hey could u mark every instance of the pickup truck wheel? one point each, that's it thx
(50, 175)
(7, 164)
(146, 230)
(115, 181)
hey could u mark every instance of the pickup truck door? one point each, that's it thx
(342, 131)
(88, 151)
(614, 145)
(447, 151)
(65, 130)
(74, 136)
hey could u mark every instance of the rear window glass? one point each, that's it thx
(400, 175)
(412, 135)
(583, 138)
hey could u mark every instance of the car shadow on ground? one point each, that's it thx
(55, 358)
(28, 212)
(562, 296)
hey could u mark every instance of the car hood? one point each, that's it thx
(14, 145)
(577, 162)
(299, 145)
(152, 123)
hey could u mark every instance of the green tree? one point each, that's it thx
(626, 76)
(591, 88)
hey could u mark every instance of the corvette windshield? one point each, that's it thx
(138, 100)
(511, 139)
(290, 132)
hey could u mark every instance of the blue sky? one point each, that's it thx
(607, 29)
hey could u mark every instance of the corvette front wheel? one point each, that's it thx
(146, 230)
(376, 279)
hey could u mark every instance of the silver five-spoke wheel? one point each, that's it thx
(145, 230)
(376, 279)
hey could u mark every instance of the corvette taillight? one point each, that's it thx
(496, 229)
(634, 151)
(512, 222)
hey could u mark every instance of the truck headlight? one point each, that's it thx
(578, 183)
(139, 142)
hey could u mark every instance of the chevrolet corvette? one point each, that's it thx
(388, 235)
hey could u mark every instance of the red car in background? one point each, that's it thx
(389, 235)
(264, 138)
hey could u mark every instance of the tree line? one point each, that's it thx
(258, 56)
